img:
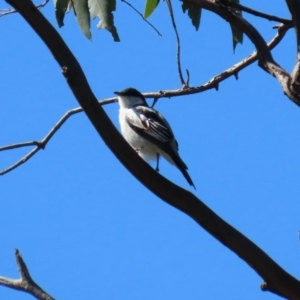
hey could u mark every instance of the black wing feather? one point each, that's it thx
(157, 130)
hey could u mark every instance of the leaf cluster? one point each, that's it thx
(84, 9)
(103, 9)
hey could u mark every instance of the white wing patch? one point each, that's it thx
(155, 128)
(133, 118)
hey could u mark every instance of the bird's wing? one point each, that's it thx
(150, 124)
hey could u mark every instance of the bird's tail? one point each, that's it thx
(183, 168)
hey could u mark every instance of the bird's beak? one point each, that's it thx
(117, 93)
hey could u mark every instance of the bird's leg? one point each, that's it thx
(157, 162)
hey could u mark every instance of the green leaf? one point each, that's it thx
(237, 34)
(60, 10)
(150, 7)
(194, 13)
(103, 9)
(83, 16)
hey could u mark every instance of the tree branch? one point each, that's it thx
(266, 60)
(255, 12)
(279, 281)
(232, 71)
(42, 144)
(294, 7)
(25, 283)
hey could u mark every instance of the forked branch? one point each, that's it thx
(39, 145)
(266, 60)
(25, 283)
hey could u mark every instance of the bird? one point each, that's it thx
(147, 131)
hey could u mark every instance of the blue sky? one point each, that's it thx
(86, 228)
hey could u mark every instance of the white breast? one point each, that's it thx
(146, 149)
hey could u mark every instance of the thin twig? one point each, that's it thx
(19, 145)
(141, 16)
(255, 12)
(183, 83)
(232, 71)
(25, 283)
(7, 11)
(42, 144)
(187, 77)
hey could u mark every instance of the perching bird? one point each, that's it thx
(147, 131)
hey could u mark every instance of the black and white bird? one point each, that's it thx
(147, 131)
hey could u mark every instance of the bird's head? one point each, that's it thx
(130, 97)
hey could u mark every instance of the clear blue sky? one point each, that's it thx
(86, 228)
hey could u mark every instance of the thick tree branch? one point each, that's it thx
(294, 7)
(278, 280)
(25, 283)
(266, 60)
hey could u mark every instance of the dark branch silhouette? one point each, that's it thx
(294, 7)
(255, 12)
